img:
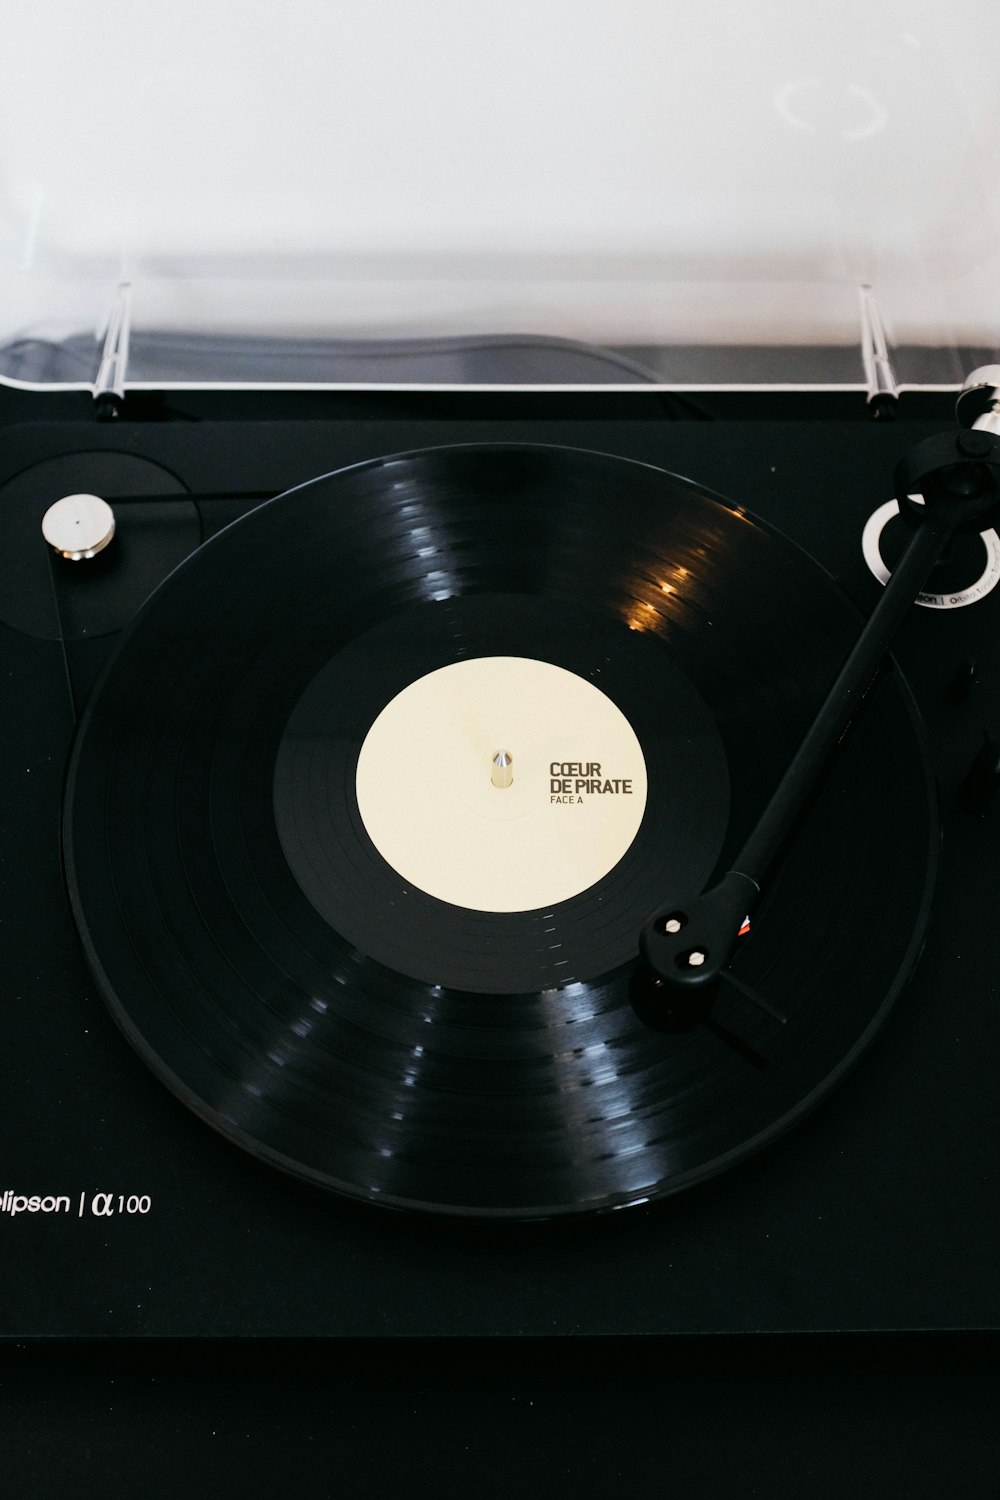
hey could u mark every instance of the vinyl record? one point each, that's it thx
(346, 939)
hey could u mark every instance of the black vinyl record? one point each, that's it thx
(327, 1013)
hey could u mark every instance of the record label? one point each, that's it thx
(431, 806)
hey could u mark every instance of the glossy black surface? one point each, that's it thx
(499, 1087)
(879, 1213)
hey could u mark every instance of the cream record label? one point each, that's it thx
(431, 806)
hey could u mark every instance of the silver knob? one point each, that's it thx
(978, 403)
(79, 526)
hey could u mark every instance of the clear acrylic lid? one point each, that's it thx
(537, 192)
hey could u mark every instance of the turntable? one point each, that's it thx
(388, 720)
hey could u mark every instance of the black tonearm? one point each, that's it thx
(944, 485)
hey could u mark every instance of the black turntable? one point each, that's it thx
(186, 712)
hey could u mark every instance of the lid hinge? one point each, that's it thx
(109, 383)
(880, 377)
